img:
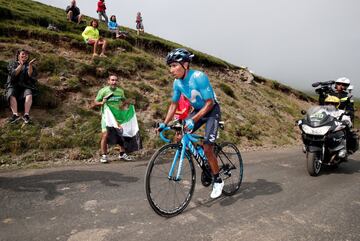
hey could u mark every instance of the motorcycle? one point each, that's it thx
(324, 138)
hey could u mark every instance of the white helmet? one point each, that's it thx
(343, 80)
(351, 87)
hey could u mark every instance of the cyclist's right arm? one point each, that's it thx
(171, 112)
(173, 106)
(174, 102)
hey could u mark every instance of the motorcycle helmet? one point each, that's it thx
(344, 81)
(332, 100)
(179, 55)
(351, 87)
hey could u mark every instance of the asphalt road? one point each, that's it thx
(278, 200)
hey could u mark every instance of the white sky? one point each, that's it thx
(294, 42)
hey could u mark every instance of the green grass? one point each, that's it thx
(228, 90)
(69, 81)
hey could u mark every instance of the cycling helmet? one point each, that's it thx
(179, 55)
(332, 100)
(343, 80)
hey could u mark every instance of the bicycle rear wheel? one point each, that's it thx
(169, 197)
(231, 167)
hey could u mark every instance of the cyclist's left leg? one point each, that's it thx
(211, 129)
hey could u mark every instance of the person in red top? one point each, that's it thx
(139, 24)
(101, 10)
(183, 109)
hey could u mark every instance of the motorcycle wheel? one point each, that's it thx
(313, 163)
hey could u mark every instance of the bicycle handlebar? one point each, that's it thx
(162, 135)
(192, 137)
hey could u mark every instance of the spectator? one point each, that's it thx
(113, 26)
(73, 13)
(92, 37)
(21, 84)
(341, 85)
(101, 10)
(110, 98)
(182, 111)
(139, 24)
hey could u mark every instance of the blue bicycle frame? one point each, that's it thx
(186, 141)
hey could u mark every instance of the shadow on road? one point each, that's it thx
(350, 167)
(248, 190)
(49, 181)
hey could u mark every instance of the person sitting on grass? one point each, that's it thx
(92, 37)
(73, 13)
(21, 84)
(113, 26)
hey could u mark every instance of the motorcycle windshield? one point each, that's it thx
(320, 115)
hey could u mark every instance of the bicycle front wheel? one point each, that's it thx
(231, 167)
(167, 195)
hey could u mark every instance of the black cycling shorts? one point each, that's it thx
(211, 119)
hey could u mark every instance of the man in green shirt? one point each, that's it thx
(110, 98)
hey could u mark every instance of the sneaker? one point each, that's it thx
(125, 157)
(217, 189)
(104, 159)
(103, 55)
(13, 118)
(26, 119)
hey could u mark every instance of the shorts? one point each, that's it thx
(18, 93)
(75, 18)
(139, 26)
(211, 119)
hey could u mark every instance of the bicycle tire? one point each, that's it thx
(230, 162)
(159, 187)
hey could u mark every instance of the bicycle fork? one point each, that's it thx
(173, 165)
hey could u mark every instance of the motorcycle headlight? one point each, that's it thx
(318, 131)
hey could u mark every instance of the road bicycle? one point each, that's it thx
(170, 176)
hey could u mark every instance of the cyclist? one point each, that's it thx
(196, 87)
(341, 85)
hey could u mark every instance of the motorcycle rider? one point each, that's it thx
(341, 85)
(341, 116)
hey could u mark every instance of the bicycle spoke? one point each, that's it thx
(166, 196)
(231, 166)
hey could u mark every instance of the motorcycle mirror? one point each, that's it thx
(303, 112)
(316, 84)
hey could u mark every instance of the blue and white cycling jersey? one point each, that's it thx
(195, 87)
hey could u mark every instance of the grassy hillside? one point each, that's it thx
(257, 111)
